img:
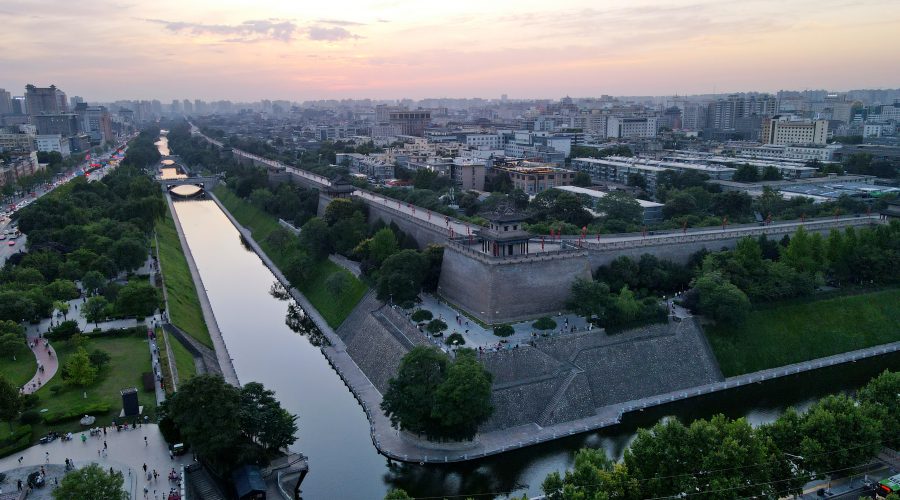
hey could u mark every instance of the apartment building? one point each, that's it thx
(787, 131)
(534, 178)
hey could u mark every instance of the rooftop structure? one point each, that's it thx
(533, 178)
(652, 209)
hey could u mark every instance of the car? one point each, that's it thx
(178, 449)
(12, 243)
(2, 236)
(49, 438)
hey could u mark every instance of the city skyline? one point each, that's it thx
(391, 49)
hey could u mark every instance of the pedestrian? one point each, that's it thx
(104, 445)
(47, 456)
(155, 475)
(19, 485)
(20, 460)
(145, 467)
(146, 490)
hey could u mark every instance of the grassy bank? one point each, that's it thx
(184, 306)
(776, 336)
(261, 225)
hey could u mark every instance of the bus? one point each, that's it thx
(889, 485)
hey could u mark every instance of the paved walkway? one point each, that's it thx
(157, 369)
(46, 358)
(224, 359)
(126, 451)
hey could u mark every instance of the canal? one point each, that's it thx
(269, 346)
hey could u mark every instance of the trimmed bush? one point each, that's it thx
(504, 330)
(455, 337)
(421, 315)
(435, 326)
(75, 413)
(30, 417)
(545, 323)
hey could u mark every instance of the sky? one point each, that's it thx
(386, 49)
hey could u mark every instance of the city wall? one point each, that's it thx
(513, 289)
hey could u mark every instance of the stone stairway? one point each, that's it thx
(557, 398)
(202, 485)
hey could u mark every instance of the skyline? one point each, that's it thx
(390, 49)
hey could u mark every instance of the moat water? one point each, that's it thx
(272, 344)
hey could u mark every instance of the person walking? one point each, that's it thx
(145, 441)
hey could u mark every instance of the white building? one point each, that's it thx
(786, 131)
(484, 141)
(53, 142)
(618, 127)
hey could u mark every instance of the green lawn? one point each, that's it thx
(184, 306)
(261, 226)
(776, 336)
(334, 311)
(130, 358)
(184, 360)
(19, 371)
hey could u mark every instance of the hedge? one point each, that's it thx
(16, 435)
(21, 444)
(75, 413)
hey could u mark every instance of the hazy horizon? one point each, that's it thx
(392, 49)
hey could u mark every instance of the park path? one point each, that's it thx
(46, 357)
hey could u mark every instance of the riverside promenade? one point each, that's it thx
(392, 444)
(224, 359)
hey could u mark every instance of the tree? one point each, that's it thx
(881, 393)
(204, 409)
(99, 358)
(62, 290)
(436, 326)
(261, 198)
(589, 298)
(621, 207)
(582, 179)
(79, 370)
(11, 344)
(720, 299)
(64, 330)
(129, 253)
(838, 433)
(314, 238)
(91, 481)
(410, 396)
(397, 494)
(263, 419)
(93, 281)
(746, 173)
(138, 298)
(771, 173)
(806, 252)
(463, 400)
(10, 401)
(593, 476)
(95, 309)
(421, 315)
(637, 180)
(383, 245)
(61, 306)
(455, 339)
(401, 276)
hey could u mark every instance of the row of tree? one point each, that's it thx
(727, 458)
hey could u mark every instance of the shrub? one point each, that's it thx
(503, 330)
(421, 315)
(455, 337)
(30, 401)
(30, 417)
(64, 330)
(436, 326)
(544, 323)
(74, 413)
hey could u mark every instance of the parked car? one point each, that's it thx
(49, 438)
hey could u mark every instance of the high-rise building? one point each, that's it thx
(45, 100)
(65, 124)
(187, 106)
(5, 102)
(75, 100)
(97, 123)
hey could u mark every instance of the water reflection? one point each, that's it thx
(297, 320)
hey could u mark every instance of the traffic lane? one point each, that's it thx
(6, 250)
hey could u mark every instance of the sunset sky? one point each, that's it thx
(303, 49)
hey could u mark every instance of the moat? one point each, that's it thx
(334, 431)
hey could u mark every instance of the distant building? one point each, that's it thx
(468, 173)
(5, 102)
(97, 123)
(65, 124)
(625, 128)
(410, 122)
(45, 100)
(55, 142)
(783, 130)
(534, 178)
(16, 142)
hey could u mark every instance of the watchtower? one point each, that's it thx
(505, 235)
